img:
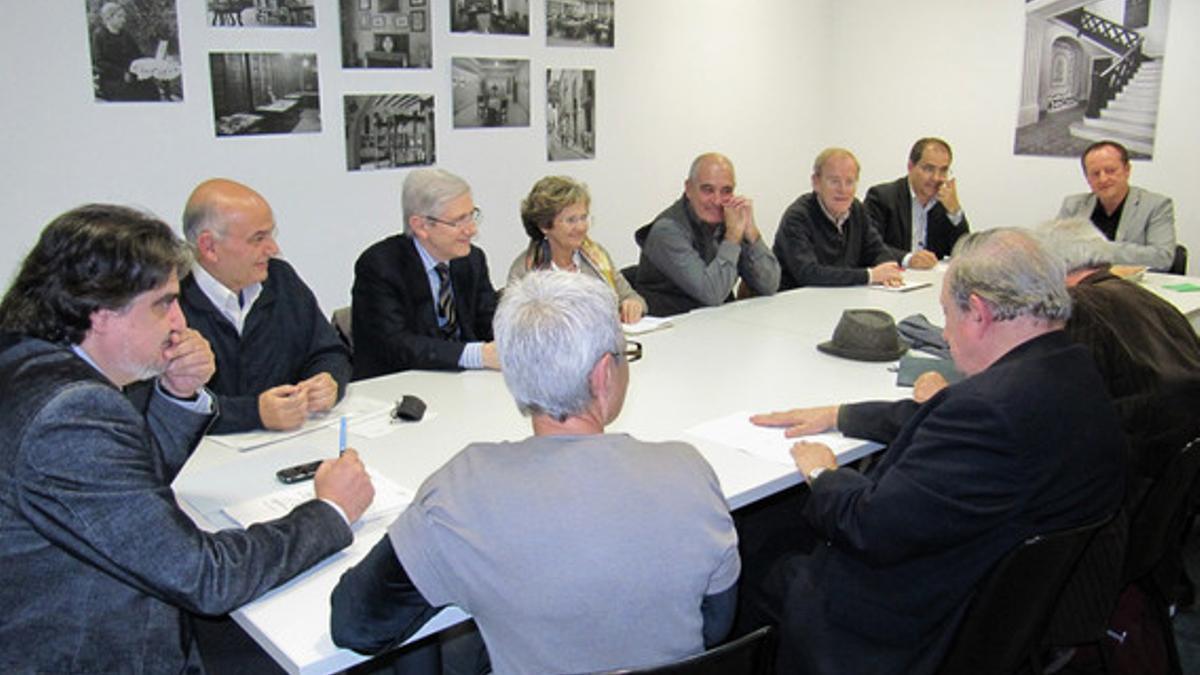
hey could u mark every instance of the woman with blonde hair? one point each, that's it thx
(555, 215)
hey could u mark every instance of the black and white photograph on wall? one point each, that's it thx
(1091, 73)
(570, 114)
(490, 92)
(386, 131)
(579, 23)
(135, 50)
(500, 17)
(385, 34)
(265, 93)
(261, 13)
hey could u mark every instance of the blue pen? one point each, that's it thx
(342, 436)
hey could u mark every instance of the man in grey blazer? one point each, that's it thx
(1141, 222)
(102, 399)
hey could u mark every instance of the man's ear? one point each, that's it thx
(980, 315)
(206, 246)
(418, 226)
(600, 379)
(101, 320)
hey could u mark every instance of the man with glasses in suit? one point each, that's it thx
(919, 214)
(423, 299)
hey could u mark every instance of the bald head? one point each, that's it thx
(212, 202)
(707, 161)
(232, 230)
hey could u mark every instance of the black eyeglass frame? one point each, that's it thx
(475, 216)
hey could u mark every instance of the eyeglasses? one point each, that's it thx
(633, 351)
(475, 216)
(939, 171)
(577, 220)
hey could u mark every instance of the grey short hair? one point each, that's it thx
(1012, 272)
(1077, 242)
(427, 191)
(200, 217)
(830, 153)
(551, 328)
(108, 9)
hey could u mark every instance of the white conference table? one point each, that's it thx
(754, 355)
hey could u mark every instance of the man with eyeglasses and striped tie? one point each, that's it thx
(424, 299)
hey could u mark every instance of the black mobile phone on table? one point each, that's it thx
(298, 473)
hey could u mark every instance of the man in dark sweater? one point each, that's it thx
(278, 357)
(827, 238)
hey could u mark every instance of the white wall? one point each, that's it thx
(968, 56)
(769, 82)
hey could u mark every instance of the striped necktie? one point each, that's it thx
(446, 301)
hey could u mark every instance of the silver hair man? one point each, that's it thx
(1077, 242)
(1012, 272)
(427, 191)
(551, 330)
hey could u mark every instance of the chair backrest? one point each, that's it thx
(751, 654)
(341, 324)
(1158, 521)
(1179, 263)
(1004, 623)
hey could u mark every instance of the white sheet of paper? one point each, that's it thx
(357, 409)
(390, 499)
(738, 432)
(645, 325)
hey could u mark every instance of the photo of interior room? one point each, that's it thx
(490, 92)
(385, 131)
(385, 34)
(265, 93)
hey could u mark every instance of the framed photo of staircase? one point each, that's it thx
(1092, 71)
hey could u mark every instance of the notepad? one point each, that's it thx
(389, 500)
(645, 325)
(738, 432)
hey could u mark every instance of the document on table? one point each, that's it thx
(390, 499)
(646, 324)
(357, 409)
(736, 431)
(904, 287)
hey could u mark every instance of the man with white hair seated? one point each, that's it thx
(423, 299)
(575, 550)
(1147, 352)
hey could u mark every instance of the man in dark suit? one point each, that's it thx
(424, 299)
(1027, 443)
(278, 357)
(919, 214)
(102, 400)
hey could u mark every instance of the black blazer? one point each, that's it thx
(1030, 445)
(394, 316)
(890, 206)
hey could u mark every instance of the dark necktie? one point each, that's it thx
(446, 301)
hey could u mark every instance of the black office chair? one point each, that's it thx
(751, 654)
(1156, 534)
(630, 274)
(1007, 617)
(1179, 263)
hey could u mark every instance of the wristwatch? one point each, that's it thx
(812, 475)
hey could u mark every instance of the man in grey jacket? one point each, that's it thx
(102, 399)
(1140, 222)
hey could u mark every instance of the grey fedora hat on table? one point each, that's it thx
(866, 335)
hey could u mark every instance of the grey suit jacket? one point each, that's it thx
(1146, 233)
(99, 567)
